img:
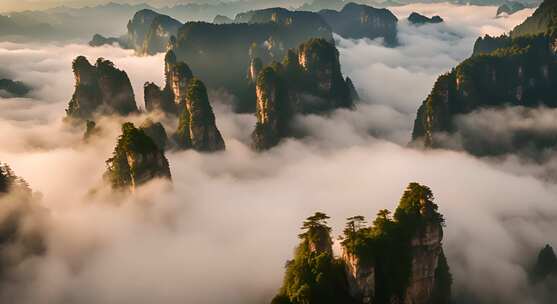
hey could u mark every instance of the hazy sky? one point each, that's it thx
(15, 5)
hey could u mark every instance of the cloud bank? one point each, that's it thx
(224, 229)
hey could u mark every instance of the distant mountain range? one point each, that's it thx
(67, 23)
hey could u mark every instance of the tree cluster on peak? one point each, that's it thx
(136, 160)
(398, 259)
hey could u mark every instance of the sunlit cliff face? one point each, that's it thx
(223, 230)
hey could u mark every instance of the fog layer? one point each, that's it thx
(225, 228)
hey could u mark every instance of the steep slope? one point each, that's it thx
(155, 131)
(160, 32)
(177, 76)
(398, 259)
(356, 21)
(186, 97)
(504, 73)
(307, 81)
(21, 223)
(219, 53)
(197, 128)
(136, 160)
(100, 88)
(148, 33)
(544, 20)
(546, 264)
(509, 8)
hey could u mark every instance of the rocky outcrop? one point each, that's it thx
(398, 259)
(136, 160)
(419, 19)
(545, 266)
(180, 76)
(155, 131)
(508, 8)
(308, 24)
(307, 81)
(100, 40)
(408, 266)
(197, 127)
(488, 44)
(273, 110)
(148, 33)
(157, 99)
(100, 89)
(503, 73)
(425, 248)
(542, 21)
(177, 77)
(319, 62)
(360, 277)
(10, 88)
(219, 53)
(356, 21)
(185, 96)
(159, 35)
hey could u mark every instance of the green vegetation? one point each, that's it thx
(219, 53)
(315, 276)
(543, 21)
(197, 127)
(135, 160)
(11, 182)
(21, 223)
(386, 244)
(503, 72)
(546, 264)
(313, 84)
(510, 70)
(155, 131)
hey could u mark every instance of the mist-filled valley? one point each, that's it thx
(256, 138)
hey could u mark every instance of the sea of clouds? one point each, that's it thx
(224, 229)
